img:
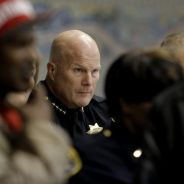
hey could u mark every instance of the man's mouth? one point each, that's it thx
(85, 92)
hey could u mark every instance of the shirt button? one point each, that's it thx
(107, 133)
(137, 153)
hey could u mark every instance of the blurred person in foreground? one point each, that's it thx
(72, 74)
(164, 159)
(132, 81)
(21, 97)
(31, 150)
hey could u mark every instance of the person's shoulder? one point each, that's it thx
(98, 99)
(99, 106)
(173, 94)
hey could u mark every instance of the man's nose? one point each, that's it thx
(87, 79)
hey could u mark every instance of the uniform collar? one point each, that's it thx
(56, 102)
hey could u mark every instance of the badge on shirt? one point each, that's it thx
(94, 129)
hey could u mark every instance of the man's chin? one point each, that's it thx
(84, 103)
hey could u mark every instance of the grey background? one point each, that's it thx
(116, 25)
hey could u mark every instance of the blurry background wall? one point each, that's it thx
(116, 25)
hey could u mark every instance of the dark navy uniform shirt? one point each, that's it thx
(107, 157)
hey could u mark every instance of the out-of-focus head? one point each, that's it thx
(74, 68)
(18, 52)
(20, 98)
(135, 78)
(174, 44)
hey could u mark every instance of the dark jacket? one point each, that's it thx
(164, 151)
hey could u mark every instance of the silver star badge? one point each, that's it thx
(94, 129)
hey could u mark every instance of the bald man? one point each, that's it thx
(72, 74)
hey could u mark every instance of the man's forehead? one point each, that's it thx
(87, 65)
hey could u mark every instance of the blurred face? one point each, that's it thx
(18, 60)
(75, 78)
(135, 116)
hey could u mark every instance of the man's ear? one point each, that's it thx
(51, 70)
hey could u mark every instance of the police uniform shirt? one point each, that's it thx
(87, 120)
(108, 157)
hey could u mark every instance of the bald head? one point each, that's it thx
(71, 44)
(74, 68)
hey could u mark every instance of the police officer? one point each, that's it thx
(72, 74)
(143, 75)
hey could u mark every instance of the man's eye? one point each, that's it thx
(77, 70)
(95, 72)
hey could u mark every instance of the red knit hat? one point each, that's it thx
(15, 14)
